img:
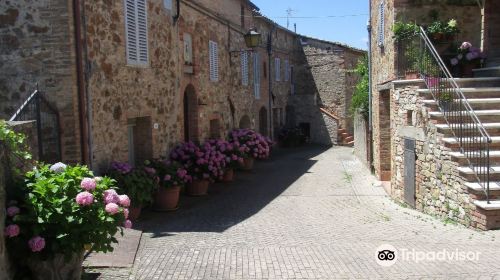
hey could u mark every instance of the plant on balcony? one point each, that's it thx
(65, 211)
(138, 183)
(404, 30)
(172, 177)
(443, 30)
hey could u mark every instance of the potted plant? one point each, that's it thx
(445, 97)
(233, 157)
(172, 177)
(468, 58)
(204, 164)
(138, 183)
(252, 145)
(65, 211)
(404, 30)
(443, 31)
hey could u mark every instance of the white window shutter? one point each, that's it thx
(136, 28)
(287, 71)
(256, 75)
(142, 26)
(213, 61)
(167, 4)
(244, 68)
(277, 65)
(381, 24)
(188, 49)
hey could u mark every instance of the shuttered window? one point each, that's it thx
(136, 28)
(167, 4)
(244, 68)
(188, 49)
(277, 66)
(213, 61)
(381, 24)
(256, 75)
(287, 71)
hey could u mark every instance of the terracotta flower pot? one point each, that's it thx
(57, 267)
(167, 199)
(134, 212)
(197, 188)
(248, 163)
(228, 175)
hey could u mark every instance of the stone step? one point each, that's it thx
(476, 103)
(487, 72)
(471, 92)
(494, 186)
(483, 115)
(492, 128)
(483, 204)
(472, 141)
(348, 139)
(464, 82)
(462, 159)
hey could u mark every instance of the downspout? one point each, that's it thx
(370, 107)
(80, 79)
(270, 81)
(178, 14)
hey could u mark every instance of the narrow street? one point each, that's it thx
(305, 214)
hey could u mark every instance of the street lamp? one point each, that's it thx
(252, 39)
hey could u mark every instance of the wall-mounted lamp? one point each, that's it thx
(252, 40)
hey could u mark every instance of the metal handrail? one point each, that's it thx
(465, 133)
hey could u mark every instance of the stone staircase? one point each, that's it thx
(483, 94)
(344, 138)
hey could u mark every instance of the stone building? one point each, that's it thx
(130, 79)
(325, 82)
(426, 157)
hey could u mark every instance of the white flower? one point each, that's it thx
(58, 167)
(452, 23)
(98, 179)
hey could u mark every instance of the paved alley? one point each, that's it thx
(306, 214)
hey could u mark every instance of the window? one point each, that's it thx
(244, 68)
(381, 24)
(256, 75)
(188, 49)
(167, 4)
(213, 61)
(136, 29)
(287, 71)
(277, 65)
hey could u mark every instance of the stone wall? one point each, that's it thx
(37, 47)
(361, 138)
(439, 188)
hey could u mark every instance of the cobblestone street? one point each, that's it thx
(304, 214)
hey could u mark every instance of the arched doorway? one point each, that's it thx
(263, 121)
(245, 122)
(190, 114)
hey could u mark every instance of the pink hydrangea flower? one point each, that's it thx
(167, 178)
(84, 198)
(110, 196)
(465, 45)
(12, 231)
(36, 244)
(88, 184)
(112, 208)
(124, 200)
(127, 224)
(12, 211)
(125, 213)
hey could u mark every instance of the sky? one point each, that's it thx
(333, 19)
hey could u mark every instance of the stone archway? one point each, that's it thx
(245, 122)
(190, 114)
(263, 123)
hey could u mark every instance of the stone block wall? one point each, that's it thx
(37, 47)
(440, 190)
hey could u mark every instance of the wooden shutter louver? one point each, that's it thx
(213, 61)
(381, 24)
(136, 28)
(244, 68)
(256, 75)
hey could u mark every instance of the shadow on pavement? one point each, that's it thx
(231, 203)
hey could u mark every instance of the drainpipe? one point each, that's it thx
(80, 79)
(178, 14)
(269, 77)
(370, 107)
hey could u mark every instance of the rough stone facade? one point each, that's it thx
(325, 79)
(361, 138)
(383, 58)
(37, 48)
